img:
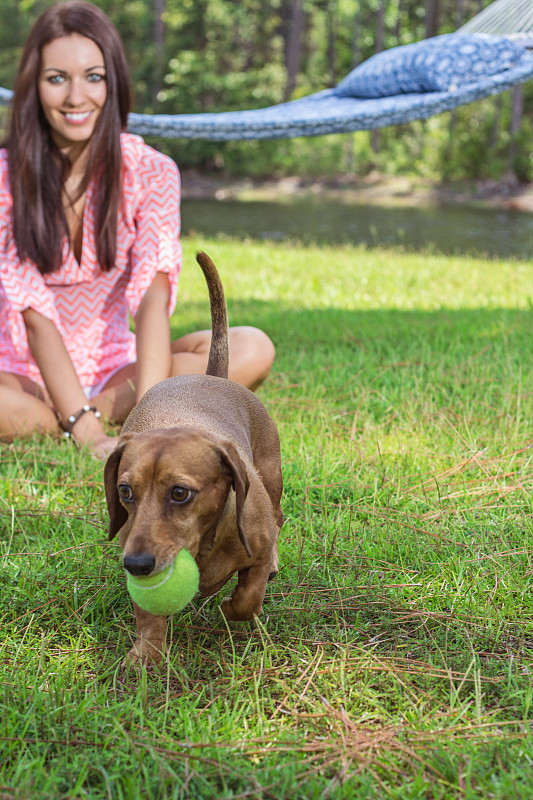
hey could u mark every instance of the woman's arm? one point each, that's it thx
(62, 382)
(152, 330)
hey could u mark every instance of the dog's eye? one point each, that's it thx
(125, 492)
(180, 494)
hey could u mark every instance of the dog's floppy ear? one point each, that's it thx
(117, 513)
(241, 484)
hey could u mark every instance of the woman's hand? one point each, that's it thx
(62, 383)
(89, 431)
(102, 445)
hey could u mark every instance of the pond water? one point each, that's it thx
(443, 229)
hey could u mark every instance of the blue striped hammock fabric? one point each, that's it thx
(335, 111)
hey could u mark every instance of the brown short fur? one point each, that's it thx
(215, 439)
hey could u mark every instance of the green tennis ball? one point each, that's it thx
(169, 590)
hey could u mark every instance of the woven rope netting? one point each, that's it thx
(513, 18)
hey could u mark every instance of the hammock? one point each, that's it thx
(399, 85)
(324, 112)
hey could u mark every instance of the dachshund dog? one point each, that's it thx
(198, 466)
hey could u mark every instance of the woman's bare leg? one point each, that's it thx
(251, 354)
(251, 357)
(23, 407)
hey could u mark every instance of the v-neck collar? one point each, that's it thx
(86, 231)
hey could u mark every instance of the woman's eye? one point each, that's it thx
(95, 77)
(180, 494)
(125, 492)
(56, 80)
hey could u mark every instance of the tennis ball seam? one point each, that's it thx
(167, 572)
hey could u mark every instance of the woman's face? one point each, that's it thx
(72, 88)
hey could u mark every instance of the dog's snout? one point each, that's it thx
(139, 565)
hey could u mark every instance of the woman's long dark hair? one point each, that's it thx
(38, 170)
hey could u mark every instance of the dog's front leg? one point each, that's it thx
(151, 639)
(274, 564)
(247, 599)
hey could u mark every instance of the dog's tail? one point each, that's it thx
(219, 351)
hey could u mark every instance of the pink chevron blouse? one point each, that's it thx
(91, 308)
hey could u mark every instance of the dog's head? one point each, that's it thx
(167, 488)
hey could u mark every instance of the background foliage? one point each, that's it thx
(199, 55)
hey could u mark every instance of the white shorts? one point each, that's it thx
(92, 391)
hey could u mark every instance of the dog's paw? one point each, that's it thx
(240, 613)
(142, 654)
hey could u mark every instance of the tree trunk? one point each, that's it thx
(293, 45)
(380, 41)
(356, 58)
(159, 44)
(495, 125)
(517, 113)
(460, 13)
(332, 39)
(380, 27)
(398, 25)
(356, 50)
(432, 18)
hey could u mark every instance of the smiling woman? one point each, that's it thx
(89, 235)
(72, 96)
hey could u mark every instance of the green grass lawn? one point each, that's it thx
(394, 655)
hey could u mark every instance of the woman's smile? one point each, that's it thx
(77, 118)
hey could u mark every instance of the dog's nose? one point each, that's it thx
(139, 565)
